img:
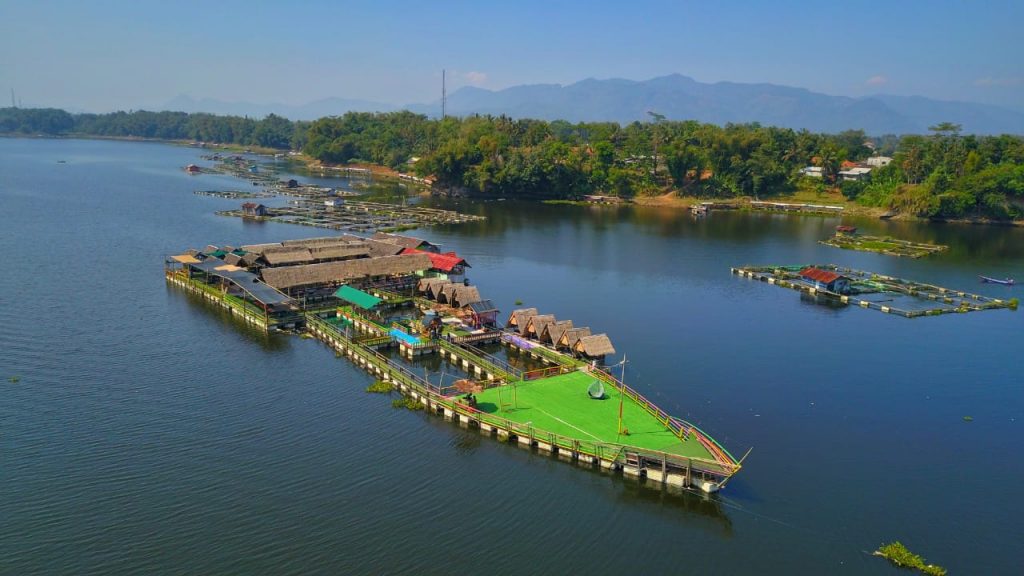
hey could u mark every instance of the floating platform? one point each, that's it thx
(535, 395)
(882, 245)
(359, 216)
(554, 414)
(886, 294)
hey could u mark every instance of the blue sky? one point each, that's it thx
(107, 55)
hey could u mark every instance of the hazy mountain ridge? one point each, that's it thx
(677, 97)
(309, 111)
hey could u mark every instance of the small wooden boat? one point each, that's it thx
(1005, 282)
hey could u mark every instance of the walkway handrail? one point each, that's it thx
(606, 451)
(483, 359)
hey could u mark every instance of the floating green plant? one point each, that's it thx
(519, 302)
(406, 402)
(968, 418)
(898, 554)
(380, 387)
(14, 379)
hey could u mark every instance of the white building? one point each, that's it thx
(812, 171)
(878, 161)
(855, 173)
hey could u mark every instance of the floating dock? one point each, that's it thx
(846, 237)
(886, 294)
(555, 415)
(552, 394)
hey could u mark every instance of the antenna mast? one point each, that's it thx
(444, 96)
(13, 105)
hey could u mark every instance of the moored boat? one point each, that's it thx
(1005, 281)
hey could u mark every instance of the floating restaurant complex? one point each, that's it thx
(385, 301)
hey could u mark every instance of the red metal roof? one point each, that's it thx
(819, 275)
(444, 262)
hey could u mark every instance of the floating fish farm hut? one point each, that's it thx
(548, 390)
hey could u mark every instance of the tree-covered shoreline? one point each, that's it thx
(943, 175)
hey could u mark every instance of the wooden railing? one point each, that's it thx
(483, 360)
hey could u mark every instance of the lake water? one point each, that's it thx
(150, 433)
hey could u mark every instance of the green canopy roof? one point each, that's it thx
(357, 297)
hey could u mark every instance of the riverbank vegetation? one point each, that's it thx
(944, 175)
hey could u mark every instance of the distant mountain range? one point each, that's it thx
(676, 97)
(310, 111)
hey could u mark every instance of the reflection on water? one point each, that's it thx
(152, 432)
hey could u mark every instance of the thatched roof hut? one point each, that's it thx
(569, 338)
(464, 295)
(286, 256)
(234, 259)
(405, 241)
(595, 346)
(379, 248)
(434, 290)
(518, 319)
(339, 272)
(260, 248)
(537, 323)
(425, 283)
(447, 295)
(553, 331)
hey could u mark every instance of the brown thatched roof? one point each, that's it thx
(465, 295)
(519, 319)
(285, 256)
(434, 290)
(403, 241)
(321, 241)
(339, 251)
(537, 324)
(594, 346)
(447, 294)
(425, 283)
(571, 336)
(259, 248)
(379, 248)
(553, 331)
(341, 271)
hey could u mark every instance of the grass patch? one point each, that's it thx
(899, 555)
(380, 387)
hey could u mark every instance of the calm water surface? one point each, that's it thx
(149, 433)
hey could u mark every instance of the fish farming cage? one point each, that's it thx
(871, 290)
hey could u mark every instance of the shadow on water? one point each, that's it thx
(202, 307)
(824, 303)
(663, 499)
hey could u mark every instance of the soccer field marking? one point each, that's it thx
(570, 425)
